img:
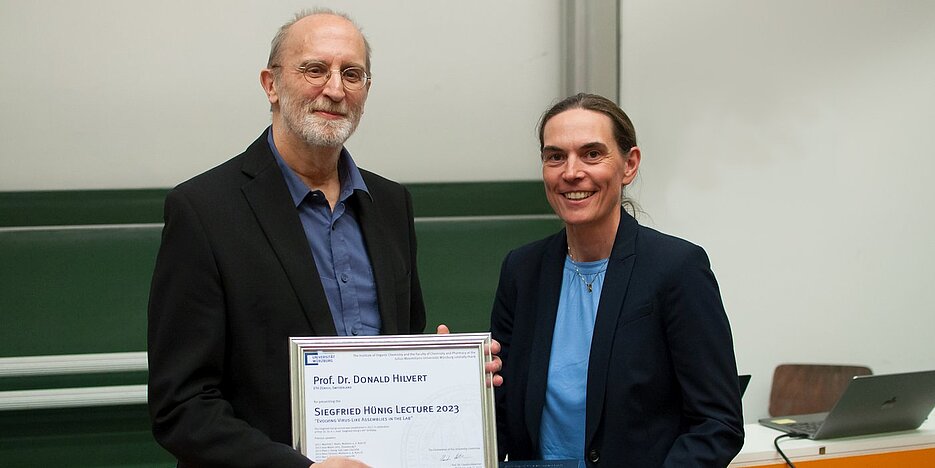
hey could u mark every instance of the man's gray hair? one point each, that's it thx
(280, 36)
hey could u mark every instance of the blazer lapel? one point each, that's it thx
(275, 212)
(377, 249)
(616, 283)
(550, 281)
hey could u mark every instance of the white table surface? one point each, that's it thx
(758, 445)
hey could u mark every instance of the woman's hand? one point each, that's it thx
(493, 366)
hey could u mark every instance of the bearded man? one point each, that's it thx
(289, 238)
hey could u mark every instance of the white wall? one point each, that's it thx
(793, 140)
(124, 94)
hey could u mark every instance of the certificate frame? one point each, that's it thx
(323, 367)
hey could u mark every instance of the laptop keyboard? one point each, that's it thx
(805, 427)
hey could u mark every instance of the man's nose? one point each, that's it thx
(334, 87)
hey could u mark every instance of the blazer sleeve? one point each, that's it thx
(186, 335)
(501, 329)
(417, 303)
(702, 354)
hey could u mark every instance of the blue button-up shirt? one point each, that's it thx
(338, 247)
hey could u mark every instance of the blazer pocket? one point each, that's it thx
(635, 314)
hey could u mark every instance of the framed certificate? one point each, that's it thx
(407, 401)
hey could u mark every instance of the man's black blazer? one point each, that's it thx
(662, 384)
(234, 279)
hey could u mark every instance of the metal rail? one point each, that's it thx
(29, 366)
(23, 366)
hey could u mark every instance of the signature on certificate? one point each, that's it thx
(453, 455)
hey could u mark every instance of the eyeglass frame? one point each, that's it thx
(303, 69)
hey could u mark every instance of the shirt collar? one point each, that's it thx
(348, 171)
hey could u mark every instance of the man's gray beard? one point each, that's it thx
(322, 132)
(315, 130)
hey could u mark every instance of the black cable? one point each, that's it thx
(781, 453)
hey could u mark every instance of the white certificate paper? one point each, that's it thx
(407, 401)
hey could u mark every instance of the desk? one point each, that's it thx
(895, 449)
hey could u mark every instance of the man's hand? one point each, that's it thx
(493, 366)
(339, 462)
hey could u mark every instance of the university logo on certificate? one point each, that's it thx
(407, 401)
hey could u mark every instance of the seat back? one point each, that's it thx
(809, 388)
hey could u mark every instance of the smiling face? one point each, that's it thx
(584, 170)
(323, 115)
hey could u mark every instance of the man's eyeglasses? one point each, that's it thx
(317, 74)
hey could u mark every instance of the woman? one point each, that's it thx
(615, 345)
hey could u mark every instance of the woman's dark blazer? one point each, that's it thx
(662, 385)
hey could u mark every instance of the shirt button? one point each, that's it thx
(594, 455)
(344, 277)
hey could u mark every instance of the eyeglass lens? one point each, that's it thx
(318, 74)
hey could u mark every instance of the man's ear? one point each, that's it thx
(268, 83)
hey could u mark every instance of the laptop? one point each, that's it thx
(870, 404)
(744, 381)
